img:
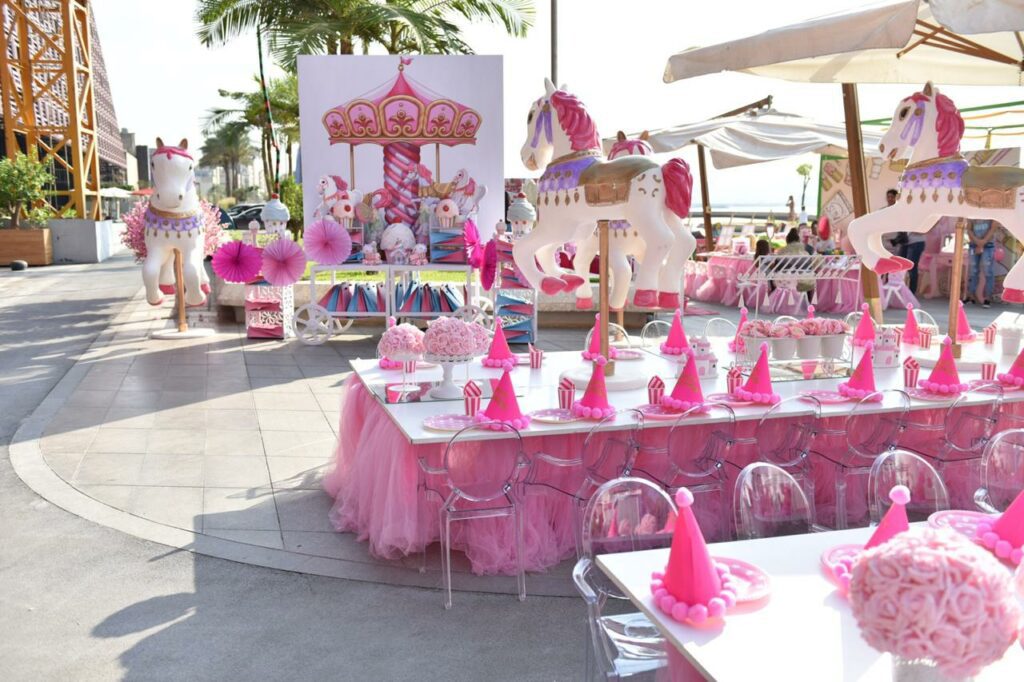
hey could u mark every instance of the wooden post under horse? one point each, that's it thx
(179, 286)
(604, 306)
(955, 278)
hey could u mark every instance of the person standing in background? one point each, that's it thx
(791, 205)
(982, 235)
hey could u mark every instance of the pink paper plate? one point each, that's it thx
(835, 555)
(753, 583)
(825, 397)
(448, 422)
(727, 399)
(626, 354)
(554, 415)
(987, 386)
(962, 521)
(922, 394)
(658, 412)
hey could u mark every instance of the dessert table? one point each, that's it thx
(803, 632)
(375, 476)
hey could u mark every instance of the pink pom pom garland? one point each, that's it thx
(760, 398)
(944, 389)
(858, 393)
(986, 536)
(682, 405)
(518, 423)
(1010, 380)
(682, 612)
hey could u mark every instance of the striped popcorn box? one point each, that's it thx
(655, 390)
(988, 371)
(536, 357)
(566, 393)
(471, 396)
(733, 380)
(924, 337)
(409, 366)
(911, 371)
(990, 335)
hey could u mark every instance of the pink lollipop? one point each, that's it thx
(237, 262)
(327, 242)
(283, 262)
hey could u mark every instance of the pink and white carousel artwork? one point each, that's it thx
(383, 106)
(175, 237)
(938, 181)
(579, 187)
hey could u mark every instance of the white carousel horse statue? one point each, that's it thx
(627, 242)
(579, 187)
(174, 220)
(927, 128)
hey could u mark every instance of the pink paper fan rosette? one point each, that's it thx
(327, 242)
(237, 262)
(490, 265)
(283, 262)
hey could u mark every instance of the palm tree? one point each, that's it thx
(295, 27)
(228, 147)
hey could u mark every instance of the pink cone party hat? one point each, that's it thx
(865, 332)
(594, 403)
(1015, 377)
(676, 342)
(861, 383)
(504, 408)
(944, 377)
(895, 520)
(963, 326)
(1005, 535)
(593, 350)
(758, 388)
(736, 345)
(910, 333)
(687, 393)
(499, 352)
(693, 587)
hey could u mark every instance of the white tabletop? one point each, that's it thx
(805, 631)
(538, 389)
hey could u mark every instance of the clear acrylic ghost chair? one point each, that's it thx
(482, 477)
(770, 503)
(623, 515)
(617, 336)
(925, 319)
(901, 467)
(871, 428)
(1002, 471)
(784, 319)
(719, 328)
(695, 457)
(853, 319)
(654, 333)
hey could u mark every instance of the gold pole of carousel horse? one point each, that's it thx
(603, 306)
(352, 165)
(179, 290)
(955, 280)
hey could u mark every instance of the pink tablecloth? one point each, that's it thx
(375, 475)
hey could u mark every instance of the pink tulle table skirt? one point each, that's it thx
(375, 476)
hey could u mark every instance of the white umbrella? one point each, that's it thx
(115, 193)
(897, 41)
(756, 136)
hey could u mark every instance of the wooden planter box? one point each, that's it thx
(32, 246)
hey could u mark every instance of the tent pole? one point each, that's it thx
(352, 166)
(603, 302)
(855, 151)
(709, 243)
(955, 281)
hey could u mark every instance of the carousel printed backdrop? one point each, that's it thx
(401, 133)
(836, 202)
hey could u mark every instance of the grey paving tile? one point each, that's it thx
(181, 507)
(239, 509)
(64, 464)
(299, 444)
(177, 441)
(108, 469)
(286, 401)
(287, 372)
(114, 440)
(299, 473)
(149, 399)
(172, 470)
(261, 538)
(231, 420)
(277, 385)
(117, 496)
(180, 418)
(130, 417)
(220, 442)
(235, 472)
(230, 400)
(71, 441)
(304, 510)
(290, 420)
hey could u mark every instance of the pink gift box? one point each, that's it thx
(566, 394)
(471, 396)
(536, 357)
(655, 390)
(988, 371)
(990, 335)
(924, 338)
(733, 380)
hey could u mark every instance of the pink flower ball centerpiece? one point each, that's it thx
(936, 602)
(402, 342)
(449, 341)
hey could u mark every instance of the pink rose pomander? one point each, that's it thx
(931, 594)
(401, 340)
(450, 336)
(758, 329)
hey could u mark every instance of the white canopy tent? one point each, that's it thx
(894, 41)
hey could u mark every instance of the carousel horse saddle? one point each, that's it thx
(992, 187)
(608, 183)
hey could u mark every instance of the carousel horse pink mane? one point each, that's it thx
(575, 121)
(624, 146)
(948, 123)
(172, 151)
